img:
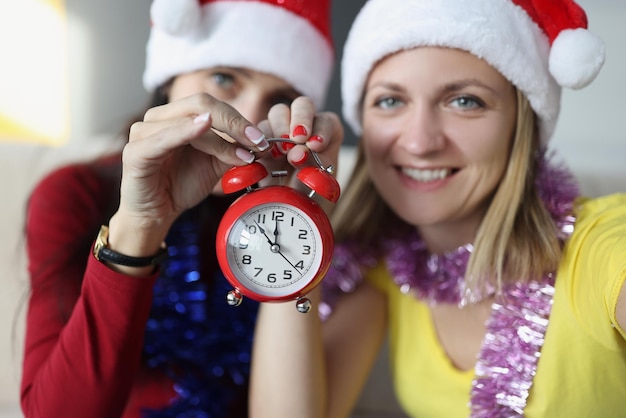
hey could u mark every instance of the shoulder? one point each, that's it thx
(613, 202)
(79, 176)
(593, 268)
(75, 184)
(597, 246)
(601, 217)
(74, 197)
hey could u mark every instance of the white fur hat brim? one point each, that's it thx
(497, 31)
(249, 34)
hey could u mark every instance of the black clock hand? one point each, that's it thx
(276, 233)
(275, 248)
(263, 232)
(287, 260)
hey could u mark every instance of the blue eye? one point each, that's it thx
(466, 102)
(388, 102)
(223, 80)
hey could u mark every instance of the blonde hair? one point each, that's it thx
(517, 239)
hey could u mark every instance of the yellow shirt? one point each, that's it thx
(582, 368)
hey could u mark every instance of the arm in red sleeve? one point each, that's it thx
(85, 322)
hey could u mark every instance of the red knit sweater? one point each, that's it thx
(85, 322)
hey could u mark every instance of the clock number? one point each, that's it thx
(246, 259)
(252, 229)
(302, 234)
(258, 271)
(306, 249)
(287, 275)
(300, 264)
(278, 216)
(261, 218)
(292, 221)
(271, 277)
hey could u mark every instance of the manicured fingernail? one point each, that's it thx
(276, 152)
(244, 155)
(316, 138)
(286, 146)
(202, 118)
(299, 130)
(301, 160)
(257, 137)
(286, 136)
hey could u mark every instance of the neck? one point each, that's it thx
(447, 237)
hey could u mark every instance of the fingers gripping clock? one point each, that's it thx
(275, 243)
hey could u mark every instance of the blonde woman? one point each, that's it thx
(501, 289)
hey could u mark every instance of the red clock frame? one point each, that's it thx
(275, 194)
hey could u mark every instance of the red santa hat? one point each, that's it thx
(538, 45)
(290, 39)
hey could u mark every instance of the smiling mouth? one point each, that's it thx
(425, 176)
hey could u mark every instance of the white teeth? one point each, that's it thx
(426, 175)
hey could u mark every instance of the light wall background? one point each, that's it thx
(591, 130)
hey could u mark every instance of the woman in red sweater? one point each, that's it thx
(129, 332)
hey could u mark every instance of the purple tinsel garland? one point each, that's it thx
(515, 331)
(511, 349)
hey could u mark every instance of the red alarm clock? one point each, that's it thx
(276, 243)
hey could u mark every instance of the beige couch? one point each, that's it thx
(22, 166)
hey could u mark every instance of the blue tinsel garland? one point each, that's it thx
(201, 342)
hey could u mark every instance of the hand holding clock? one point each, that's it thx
(174, 159)
(175, 156)
(320, 132)
(178, 152)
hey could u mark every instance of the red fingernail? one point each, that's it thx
(316, 138)
(301, 160)
(299, 130)
(286, 146)
(286, 136)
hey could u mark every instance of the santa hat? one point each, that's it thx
(290, 39)
(538, 45)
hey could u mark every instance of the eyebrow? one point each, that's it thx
(387, 85)
(461, 84)
(447, 88)
(243, 71)
(289, 92)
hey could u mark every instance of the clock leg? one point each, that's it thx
(303, 305)
(234, 298)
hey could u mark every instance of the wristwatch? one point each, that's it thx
(106, 255)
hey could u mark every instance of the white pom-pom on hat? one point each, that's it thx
(175, 17)
(576, 57)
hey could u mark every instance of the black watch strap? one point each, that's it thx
(106, 255)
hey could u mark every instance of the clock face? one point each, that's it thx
(274, 249)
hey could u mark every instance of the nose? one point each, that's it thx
(422, 131)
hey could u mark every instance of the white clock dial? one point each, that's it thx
(274, 249)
